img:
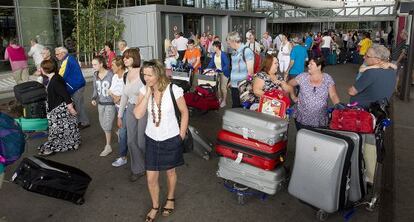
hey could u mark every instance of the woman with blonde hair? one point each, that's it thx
(163, 134)
(170, 56)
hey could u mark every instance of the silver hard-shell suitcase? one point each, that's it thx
(321, 169)
(202, 146)
(266, 181)
(358, 183)
(258, 126)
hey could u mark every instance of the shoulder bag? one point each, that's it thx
(188, 139)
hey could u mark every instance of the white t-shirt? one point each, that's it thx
(278, 42)
(345, 37)
(117, 85)
(254, 46)
(36, 53)
(168, 127)
(326, 42)
(180, 44)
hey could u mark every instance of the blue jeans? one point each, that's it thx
(123, 145)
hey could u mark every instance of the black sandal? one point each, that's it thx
(150, 219)
(168, 211)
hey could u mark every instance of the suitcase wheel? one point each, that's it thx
(80, 201)
(240, 198)
(321, 215)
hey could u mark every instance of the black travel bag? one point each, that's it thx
(34, 110)
(30, 92)
(52, 179)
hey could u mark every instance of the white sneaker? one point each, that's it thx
(222, 104)
(107, 150)
(119, 162)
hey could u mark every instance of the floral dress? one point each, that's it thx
(268, 84)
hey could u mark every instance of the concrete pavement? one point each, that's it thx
(200, 195)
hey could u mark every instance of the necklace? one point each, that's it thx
(156, 123)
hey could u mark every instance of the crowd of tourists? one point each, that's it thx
(139, 97)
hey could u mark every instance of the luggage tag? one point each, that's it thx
(239, 158)
(14, 176)
(245, 133)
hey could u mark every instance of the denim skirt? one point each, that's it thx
(163, 155)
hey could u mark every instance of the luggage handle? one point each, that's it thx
(43, 165)
(244, 154)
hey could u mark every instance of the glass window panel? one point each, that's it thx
(6, 2)
(68, 25)
(38, 3)
(42, 24)
(173, 2)
(190, 3)
(7, 31)
(68, 3)
(159, 2)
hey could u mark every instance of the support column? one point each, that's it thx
(406, 81)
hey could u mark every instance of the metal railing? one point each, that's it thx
(323, 13)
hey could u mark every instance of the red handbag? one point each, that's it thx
(275, 103)
(354, 120)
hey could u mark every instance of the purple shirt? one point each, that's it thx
(313, 100)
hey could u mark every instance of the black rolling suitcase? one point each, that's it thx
(30, 92)
(34, 110)
(52, 179)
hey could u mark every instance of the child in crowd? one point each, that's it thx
(115, 91)
(106, 107)
(171, 56)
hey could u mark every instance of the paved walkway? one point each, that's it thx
(200, 194)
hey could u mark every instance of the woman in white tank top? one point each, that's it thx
(284, 54)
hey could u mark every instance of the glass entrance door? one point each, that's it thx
(7, 31)
(192, 24)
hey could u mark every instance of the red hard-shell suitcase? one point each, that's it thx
(254, 152)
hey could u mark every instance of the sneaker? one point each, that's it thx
(119, 162)
(222, 104)
(107, 150)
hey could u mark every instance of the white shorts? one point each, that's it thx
(284, 64)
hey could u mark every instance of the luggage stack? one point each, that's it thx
(182, 76)
(252, 146)
(32, 95)
(329, 170)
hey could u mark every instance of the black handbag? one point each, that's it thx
(188, 145)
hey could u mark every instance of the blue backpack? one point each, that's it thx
(12, 140)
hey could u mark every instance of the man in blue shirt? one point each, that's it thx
(298, 57)
(242, 61)
(375, 84)
(309, 42)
